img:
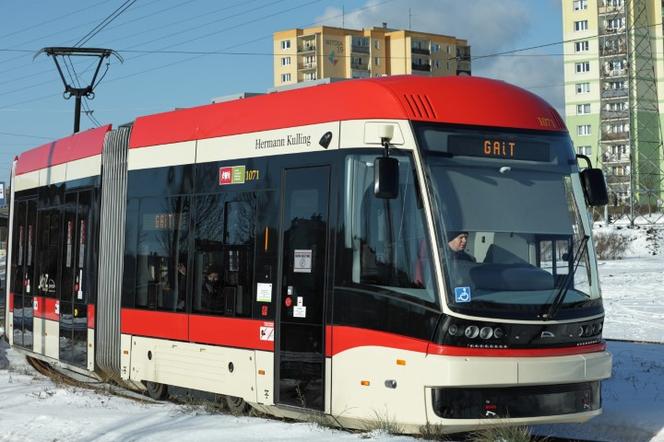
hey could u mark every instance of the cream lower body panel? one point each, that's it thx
(210, 368)
(384, 384)
(91, 350)
(9, 328)
(51, 339)
(38, 335)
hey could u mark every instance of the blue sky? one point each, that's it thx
(33, 111)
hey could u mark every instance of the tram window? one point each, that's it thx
(385, 242)
(161, 251)
(224, 249)
(130, 254)
(48, 251)
(18, 246)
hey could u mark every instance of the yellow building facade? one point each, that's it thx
(329, 52)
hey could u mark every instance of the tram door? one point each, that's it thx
(22, 271)
(46, 279)
(300, 346)
(73, 283)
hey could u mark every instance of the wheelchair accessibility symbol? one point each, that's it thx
(462, 294)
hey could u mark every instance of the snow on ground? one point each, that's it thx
(32, 408)
(633, 287)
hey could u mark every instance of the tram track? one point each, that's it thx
(72, 379)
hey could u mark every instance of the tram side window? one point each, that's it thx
(161, 253)
(18, 248)
(385, 244)
(48, 251)
(130, 254)
(224, 253)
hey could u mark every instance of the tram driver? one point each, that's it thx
(457, 245)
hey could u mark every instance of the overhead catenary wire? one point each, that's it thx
(105, 22)
(15, 90)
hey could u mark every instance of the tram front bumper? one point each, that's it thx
(482, 391)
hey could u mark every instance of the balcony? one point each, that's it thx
(614, 73)
(360, 73)
(421, 51)
(306, 47)
(463, 67)
(360, 49)
(307, 66)
(614, 114)
(615, 93)
(615, 158)
(611, 9)
(615, 136)
(425, 67)
(359, 66)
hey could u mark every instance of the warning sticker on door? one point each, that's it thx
(267, 334)
(300, 312)
(263, 292)
(302, 261)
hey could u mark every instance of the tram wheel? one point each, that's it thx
(156, 390)
(237, 405)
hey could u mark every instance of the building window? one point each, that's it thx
(285, 61)
(583, 109)
(616, 65)
(581, 25)
(581, 46)
(285, 44)
(615, 85)
(584, 150)
(582, 88)
(583, 129)
(582, 67)
(377, 44)
(616, 106)
(437, 64)
(618, 128)
(435, 47)
(285, 78)
(615, 23)
(580, 5)
(376, 61)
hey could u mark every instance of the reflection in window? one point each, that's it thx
(162, 253)
(385, 237)
(224, 247)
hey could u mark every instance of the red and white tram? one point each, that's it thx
(290, 251)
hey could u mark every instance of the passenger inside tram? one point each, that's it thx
(211, 292)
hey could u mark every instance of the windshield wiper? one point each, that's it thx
(562, 291)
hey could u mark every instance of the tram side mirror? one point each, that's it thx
(594, 185)
(386, 169)
(386, 177)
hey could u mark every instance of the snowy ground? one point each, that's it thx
(32, 408)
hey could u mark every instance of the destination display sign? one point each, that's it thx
(507, 149)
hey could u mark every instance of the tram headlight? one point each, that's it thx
(498, 333)
(472, 331)
(486, 332)
(453, 330)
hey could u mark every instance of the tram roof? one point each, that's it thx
(455, 100)
(74, 147)
(471, 101)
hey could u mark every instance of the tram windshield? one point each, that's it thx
(513, 243)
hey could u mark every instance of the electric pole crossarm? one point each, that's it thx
(70, 90)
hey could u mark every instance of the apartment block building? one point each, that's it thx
(614, 89)
(329, 52)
